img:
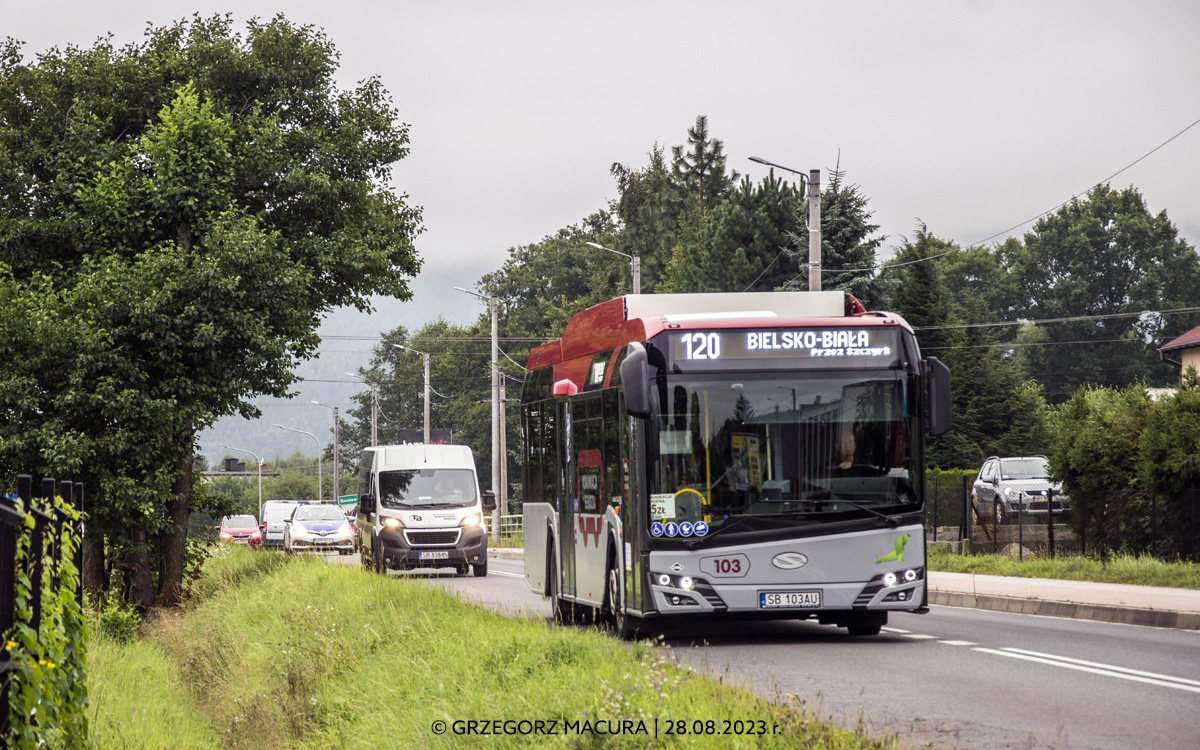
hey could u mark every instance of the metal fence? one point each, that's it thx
(43, 550)
(511, 528)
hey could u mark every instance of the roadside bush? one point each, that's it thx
(119, 622)
(1131, 467)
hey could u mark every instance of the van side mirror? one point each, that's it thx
(366, 504)
(489, 501)
(635, 380)
(939, 396)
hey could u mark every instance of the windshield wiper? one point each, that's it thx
(891, 520)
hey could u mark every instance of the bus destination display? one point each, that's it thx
(875, 345)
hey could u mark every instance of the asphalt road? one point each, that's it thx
(955, 677)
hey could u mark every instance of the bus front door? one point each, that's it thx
(569, 505)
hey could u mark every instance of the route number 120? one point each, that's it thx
(702, 345)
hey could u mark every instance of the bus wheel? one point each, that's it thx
(616, 607)
(557, 605)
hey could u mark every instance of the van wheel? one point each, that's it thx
(480, 570)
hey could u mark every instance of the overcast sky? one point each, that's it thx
(968, 116)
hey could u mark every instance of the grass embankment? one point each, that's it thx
(282, 652)
(1128, 569)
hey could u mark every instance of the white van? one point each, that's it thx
(419, 506)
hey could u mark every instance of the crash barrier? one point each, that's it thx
(42, 686)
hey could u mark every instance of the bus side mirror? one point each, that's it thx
(489, 501)
(635, 381)
(939, 396)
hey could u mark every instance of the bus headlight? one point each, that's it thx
(686, 583)
(664, 580)
(910, 575)
(890, 579)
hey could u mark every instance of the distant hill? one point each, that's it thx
(325, 378)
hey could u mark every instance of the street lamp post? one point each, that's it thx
(374, 407)
(635, 262)
(259, 462)
(425, 362)
(496, 458)
(335, 451)
(318, 442)
(814, 219)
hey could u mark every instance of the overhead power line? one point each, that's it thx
(1128, 166)
(1075, 319)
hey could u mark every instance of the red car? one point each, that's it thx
(239, 530)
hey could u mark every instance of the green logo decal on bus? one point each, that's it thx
(896, 554)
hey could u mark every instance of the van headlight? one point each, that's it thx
(393, 523)
(472, 520)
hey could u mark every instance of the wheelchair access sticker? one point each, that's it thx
(656, 528)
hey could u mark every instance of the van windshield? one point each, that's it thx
(412, 488)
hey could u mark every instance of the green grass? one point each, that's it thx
(1128, 569)
(303, 654)
(136, 700)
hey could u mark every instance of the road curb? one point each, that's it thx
(1103, 613)
(506, 553)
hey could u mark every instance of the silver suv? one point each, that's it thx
(1016, 484)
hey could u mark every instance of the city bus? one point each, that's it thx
(746, 456)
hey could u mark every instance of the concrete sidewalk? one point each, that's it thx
(1107, 602)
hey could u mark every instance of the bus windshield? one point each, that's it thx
(815, 446)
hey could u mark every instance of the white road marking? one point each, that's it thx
(895, 630)
(959, 643)
(1107, 670)
(919, 636)
(503, 573)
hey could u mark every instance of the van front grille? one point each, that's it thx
(432, 538)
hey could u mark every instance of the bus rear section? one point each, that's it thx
(765, 460)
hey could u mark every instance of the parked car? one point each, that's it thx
(318, 528)
(239, 530)
(275, 515)
(1016, 484)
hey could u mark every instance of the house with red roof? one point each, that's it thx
(1183, 350)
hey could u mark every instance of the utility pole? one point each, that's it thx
(425, 359)
(635, 264)
(496, 458)
(374, 415)
(503, 448)
(814, 230)
(336, 450)
(814, 219)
